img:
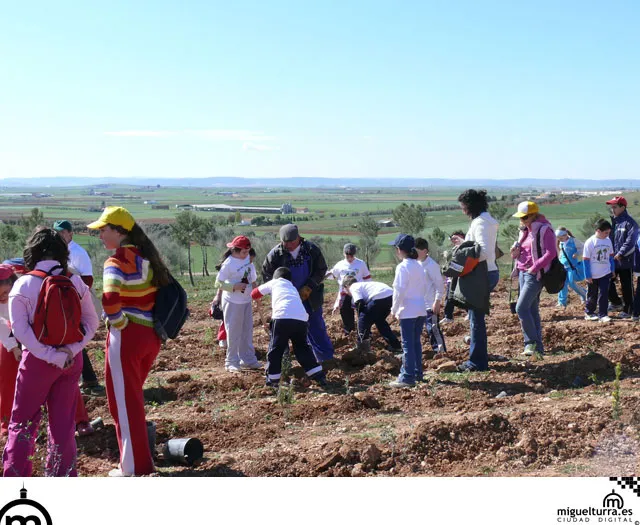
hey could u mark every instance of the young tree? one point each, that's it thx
(510, 232)
(203, 235)
(183, 232)
(35, 219)
(498, 211)
(369, 245)
(409, 218)
(588, 227)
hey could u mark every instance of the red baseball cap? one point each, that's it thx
(620, 201)
(241, 242)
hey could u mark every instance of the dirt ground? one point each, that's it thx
(556, 418)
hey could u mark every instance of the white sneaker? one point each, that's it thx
(591, 317)
(605, 319)
(466, 317)
(467, 339)
(254, 366)
(222, 344)
(445, 321)
(529, 349)
(117, 473)
(233, 369)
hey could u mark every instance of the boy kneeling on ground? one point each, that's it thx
(288, 323)
(373, 301)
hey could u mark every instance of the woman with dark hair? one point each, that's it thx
(132, 276)
(484, 231)
(408, 306)
(47, 374)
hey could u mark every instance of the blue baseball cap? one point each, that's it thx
(405, 242)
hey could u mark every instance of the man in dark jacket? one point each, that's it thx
(624, 237)
(308, 268)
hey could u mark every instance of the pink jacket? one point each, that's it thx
(547, 243)
(23, 299)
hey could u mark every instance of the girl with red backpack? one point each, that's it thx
(132, 276)
(53, 317)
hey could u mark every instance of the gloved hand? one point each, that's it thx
(305, 292)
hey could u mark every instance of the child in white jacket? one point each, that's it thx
(409, 290)
(434, 296)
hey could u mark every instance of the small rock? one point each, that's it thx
(502, 395)
(571, 425)
(329, 462)
(348, 454)
(371, 456)
(539, 388)
(357, 471)
(367, 400)
(447, 366)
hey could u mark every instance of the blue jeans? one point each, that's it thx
(410, 330)
(528, 309)
(478, 354)
(570, 281)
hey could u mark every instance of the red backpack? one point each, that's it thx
(56, 321)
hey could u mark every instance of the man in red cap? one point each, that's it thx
(624, 237)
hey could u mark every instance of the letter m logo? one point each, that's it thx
(10, 520)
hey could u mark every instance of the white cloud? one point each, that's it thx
(212, 134)
(249, 146)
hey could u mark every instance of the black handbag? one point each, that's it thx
(552, 280)
(216, 312)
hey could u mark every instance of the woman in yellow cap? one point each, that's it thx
(535, 250)
(131, 278)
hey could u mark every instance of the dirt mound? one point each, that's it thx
(548, 416)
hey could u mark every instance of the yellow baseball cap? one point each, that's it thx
(526, 208)
(114, 215)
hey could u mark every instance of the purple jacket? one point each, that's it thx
(541, 261)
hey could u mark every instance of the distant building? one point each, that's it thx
(160, 207)
(386, 223)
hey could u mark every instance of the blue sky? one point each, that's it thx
(466, 89)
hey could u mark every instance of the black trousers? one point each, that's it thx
(626, 284)
(376, 312)
(283, 331)
(597, 292)
(347, 314)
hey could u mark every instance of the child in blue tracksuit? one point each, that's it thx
(569, 257)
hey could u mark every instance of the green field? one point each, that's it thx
(332, 213)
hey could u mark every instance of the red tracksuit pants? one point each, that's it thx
(130, 356)
(8, 374)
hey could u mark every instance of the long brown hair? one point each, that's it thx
(139, 239)
(45, 244)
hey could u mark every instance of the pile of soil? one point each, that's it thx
(526, 416)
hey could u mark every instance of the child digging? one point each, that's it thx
(288, 323)
(372, 300)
